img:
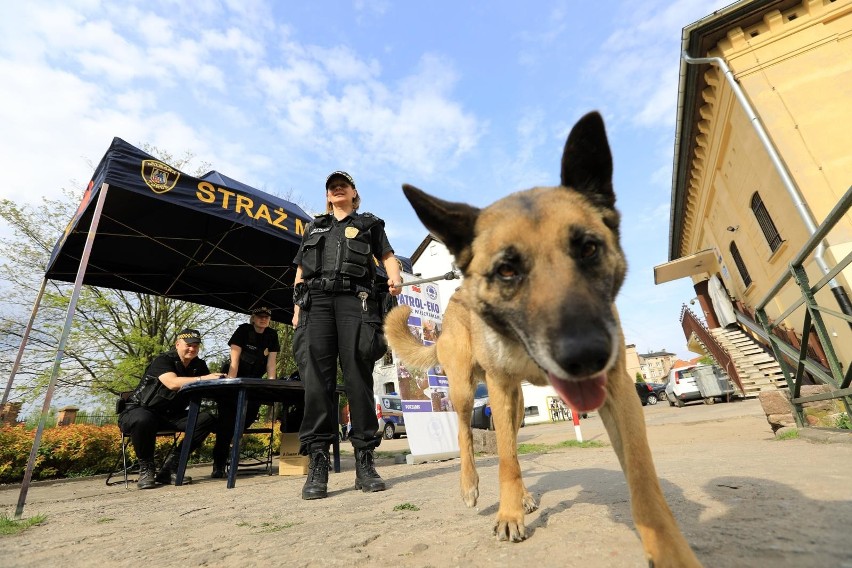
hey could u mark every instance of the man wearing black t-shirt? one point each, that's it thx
(254, 352)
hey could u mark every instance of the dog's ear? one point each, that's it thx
(587, 161)
(452, 223)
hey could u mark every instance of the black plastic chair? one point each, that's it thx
(263, 462)
(121, 466)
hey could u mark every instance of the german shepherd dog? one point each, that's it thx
(541, 271)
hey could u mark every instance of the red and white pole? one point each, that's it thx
(575, 415)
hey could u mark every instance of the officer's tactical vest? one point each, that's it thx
(152, 394)
(355, 260)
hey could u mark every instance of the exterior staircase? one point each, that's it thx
(758, 371)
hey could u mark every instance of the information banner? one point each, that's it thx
(431, 424)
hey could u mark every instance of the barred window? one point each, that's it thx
(741, 267)
(765, 221)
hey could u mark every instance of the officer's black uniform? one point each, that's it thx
(153, 407)
(339, 317)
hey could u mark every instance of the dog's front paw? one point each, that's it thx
(513, 531)
(470, 496)
(529, 503)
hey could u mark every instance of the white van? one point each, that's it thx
(682, 387)
(389, 413)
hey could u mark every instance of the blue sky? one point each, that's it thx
(466, 100)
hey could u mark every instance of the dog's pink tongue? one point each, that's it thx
(586, 395)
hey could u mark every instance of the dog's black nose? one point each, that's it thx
(584, 352)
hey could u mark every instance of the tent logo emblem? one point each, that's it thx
(158, 176)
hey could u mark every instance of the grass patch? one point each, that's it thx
(406, 507)
(544, 448)
(105, 520)
(266, 527)
(789, 435)
(12, 526)
(272, 527)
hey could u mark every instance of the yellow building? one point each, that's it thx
(632, 361)
(762, 155)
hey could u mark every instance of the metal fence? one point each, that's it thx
(96, 419)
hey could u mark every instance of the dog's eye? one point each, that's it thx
(506, 270)
(588, 250)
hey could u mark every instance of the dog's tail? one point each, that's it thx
(412, 352)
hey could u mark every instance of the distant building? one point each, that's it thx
(634, 365)
(656, 365)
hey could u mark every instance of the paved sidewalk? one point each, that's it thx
(741, 497)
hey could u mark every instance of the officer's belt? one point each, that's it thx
(328, 285)
(343, 284)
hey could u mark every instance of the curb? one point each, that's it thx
(820, 435)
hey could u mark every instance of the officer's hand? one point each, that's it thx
(395, 288)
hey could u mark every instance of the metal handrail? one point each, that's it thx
(836, 379)
(691, 324)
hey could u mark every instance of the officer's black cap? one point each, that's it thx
(190, 336)
(342, 174)
(262, 310)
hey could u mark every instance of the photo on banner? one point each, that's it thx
(431, 423)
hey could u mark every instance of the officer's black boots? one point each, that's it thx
(316, 485)
(366, 477)
(168, 474)
(146, 475)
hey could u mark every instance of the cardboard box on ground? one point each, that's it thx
(290, 462)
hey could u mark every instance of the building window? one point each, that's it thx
(741, 267)
(765, 221)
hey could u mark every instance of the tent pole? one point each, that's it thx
(60, 351)
(24, 340)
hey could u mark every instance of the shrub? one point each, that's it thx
(82, 449)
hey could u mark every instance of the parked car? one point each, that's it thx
(481, 416)
(650, 393)
(682, 387)
(389, 413)
(659, 390)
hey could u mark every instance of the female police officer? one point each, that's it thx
(337, 315)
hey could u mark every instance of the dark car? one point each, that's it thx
(481, 416)
(650, 393)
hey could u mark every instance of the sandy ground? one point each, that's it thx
(742, 498)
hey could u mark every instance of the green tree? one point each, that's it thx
(114, 333)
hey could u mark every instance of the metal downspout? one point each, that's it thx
(786, 179)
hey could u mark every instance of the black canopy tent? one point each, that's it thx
(209, 240)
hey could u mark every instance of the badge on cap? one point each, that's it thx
(351, 232)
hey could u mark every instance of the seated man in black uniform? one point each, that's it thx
(254, 352)
(155, 405)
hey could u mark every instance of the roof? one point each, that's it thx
(209, 240)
